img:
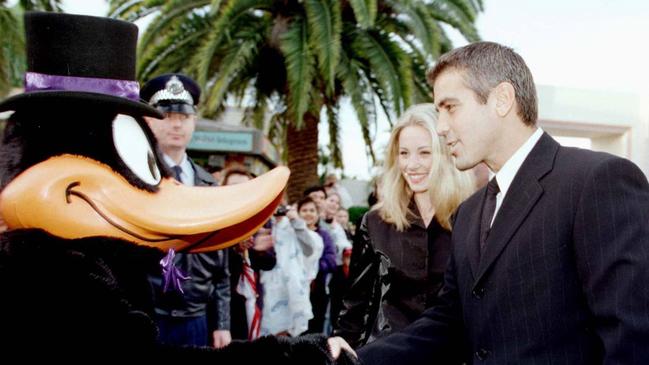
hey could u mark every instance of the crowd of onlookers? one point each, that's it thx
(297, 265)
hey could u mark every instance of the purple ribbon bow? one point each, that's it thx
(171, 275)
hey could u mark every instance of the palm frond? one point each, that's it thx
(421, 26)
(132, 10)
(172, 13)
(325, 26)
(171, 54)
(256, 115)
(477, 5)
(390, 66)
(115, 6)
(448, 12)
(446, 43)
(43, 5)
(420, 63)
(277, 133)
(365, 12)
(12, 55)
(465, 7)
(422, 92)
(218, 30)
(361, 95)
(335, 152)
(300, 68)
(242, 87)
(235, 58)
(215, 6)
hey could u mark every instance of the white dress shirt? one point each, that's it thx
(506, 175)
(187, 174)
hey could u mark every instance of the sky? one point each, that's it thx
(583, 44)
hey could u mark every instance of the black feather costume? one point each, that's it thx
(87, 298)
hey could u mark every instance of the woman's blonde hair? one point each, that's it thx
(448, 185)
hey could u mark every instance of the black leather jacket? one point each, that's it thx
(384, 300)
(208, 290)
(368, 283)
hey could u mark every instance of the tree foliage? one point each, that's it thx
(12, 41)
(285, 58)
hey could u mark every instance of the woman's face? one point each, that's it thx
(309, 213)
(415, 157)
(342, 217)
(237, 179)
(332, 204)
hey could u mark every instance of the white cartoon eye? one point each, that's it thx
(134, 149)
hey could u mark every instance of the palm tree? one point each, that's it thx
(297, 60)
(12, 48)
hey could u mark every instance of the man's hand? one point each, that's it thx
(222, 338)
(337, 344)
(263, 240)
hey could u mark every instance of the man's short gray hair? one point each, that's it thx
(487, 64)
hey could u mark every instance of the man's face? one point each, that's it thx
(469, 127)
(318, 197)
(174, 131)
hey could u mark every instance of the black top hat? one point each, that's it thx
(77, 57)
(172, 93)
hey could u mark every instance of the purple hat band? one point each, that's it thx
(121, 88)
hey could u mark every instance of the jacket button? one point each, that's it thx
(478, 293)
(482, 354)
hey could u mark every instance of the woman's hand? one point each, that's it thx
(337, 344)
(291, 213)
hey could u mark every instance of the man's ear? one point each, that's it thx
(505, 97)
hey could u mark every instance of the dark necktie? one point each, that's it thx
(177, 171)
(488, 211)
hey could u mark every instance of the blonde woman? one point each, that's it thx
(421, 188)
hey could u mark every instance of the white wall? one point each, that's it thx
(617, 123)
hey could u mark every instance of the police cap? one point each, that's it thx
(172, 93)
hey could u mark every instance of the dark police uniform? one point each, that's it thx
(189, 317)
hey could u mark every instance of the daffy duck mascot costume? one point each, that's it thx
(91, 211)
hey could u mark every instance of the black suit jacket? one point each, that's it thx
(564, 278)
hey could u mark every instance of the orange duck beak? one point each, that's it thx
(75, 197)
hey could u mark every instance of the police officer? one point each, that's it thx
(198, 312)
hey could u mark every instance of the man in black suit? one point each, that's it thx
(550, 262)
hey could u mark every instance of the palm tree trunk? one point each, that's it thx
(302, 148)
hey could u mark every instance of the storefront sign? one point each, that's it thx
(222, 141)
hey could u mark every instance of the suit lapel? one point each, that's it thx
(201, 177)
(523, 194)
